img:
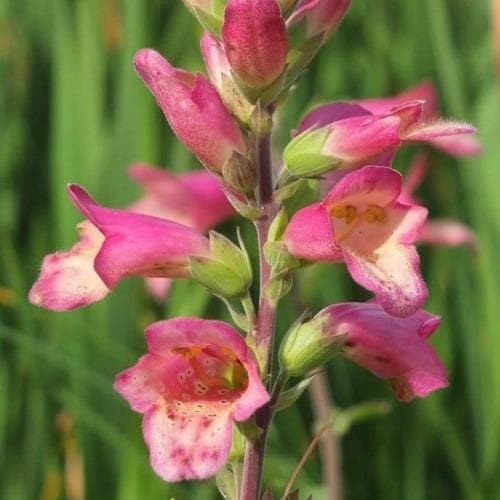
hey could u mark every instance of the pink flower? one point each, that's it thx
(255, 41)
(215, 59)
(392, 348)
(341, 135)
(456, 145)
(362, 223)
(114, 244)
(193, 108)
(194, 199)
(198, 376)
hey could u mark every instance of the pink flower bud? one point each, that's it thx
(193, 108)
(197, 378)
(255, 41)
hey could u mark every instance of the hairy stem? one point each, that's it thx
(328, 444)
(264, 328)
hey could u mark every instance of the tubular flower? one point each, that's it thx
(394, 349)
(255, 41)
(344, 135)
(198, 376)
(114, 244)
(456, 145)
(193, 108)
(362, 223)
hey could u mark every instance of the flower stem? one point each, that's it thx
(328, 445)
(264, 328)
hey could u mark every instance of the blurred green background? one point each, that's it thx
(72, 109)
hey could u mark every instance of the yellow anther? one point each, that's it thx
(374, 213)
(187, 352)
(347, 212)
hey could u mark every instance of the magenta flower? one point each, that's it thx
(194, 199)
(114, 244)
(456, 145)
(193, 108)
(329, 138)
(255, 41)
(395, 349)
(198, 376)
(362, 223)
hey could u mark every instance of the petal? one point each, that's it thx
(371, 185)
(446, 232)
(330, 113)
(138, 244)
(309, 235)
(140, 385)
(458, 145)
(393, 276)
(392, 348)
(441, 128)
(194, 199)
(187, 446)
(159, 288)
(67, 279)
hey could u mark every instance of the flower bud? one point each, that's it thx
(308, 346)
(255, 41)
(226, 272)
(219, 72)
(193, 109)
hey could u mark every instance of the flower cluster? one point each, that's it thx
(199, 376)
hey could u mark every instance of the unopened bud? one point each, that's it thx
(308, 345)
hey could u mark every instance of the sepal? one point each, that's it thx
(307, 346)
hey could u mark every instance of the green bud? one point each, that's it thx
(227, 272)
(278, 257)
(278, 226)
(240, 173)
(307, 346)
(303, 157)
(278, 286)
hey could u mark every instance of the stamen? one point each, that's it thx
(374, 213)
(347, 212)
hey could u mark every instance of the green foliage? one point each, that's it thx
(72, 109)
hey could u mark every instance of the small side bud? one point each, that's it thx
(308, 345)
(240, 173)
(260, 121)
(278, 286)
(226, 272)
